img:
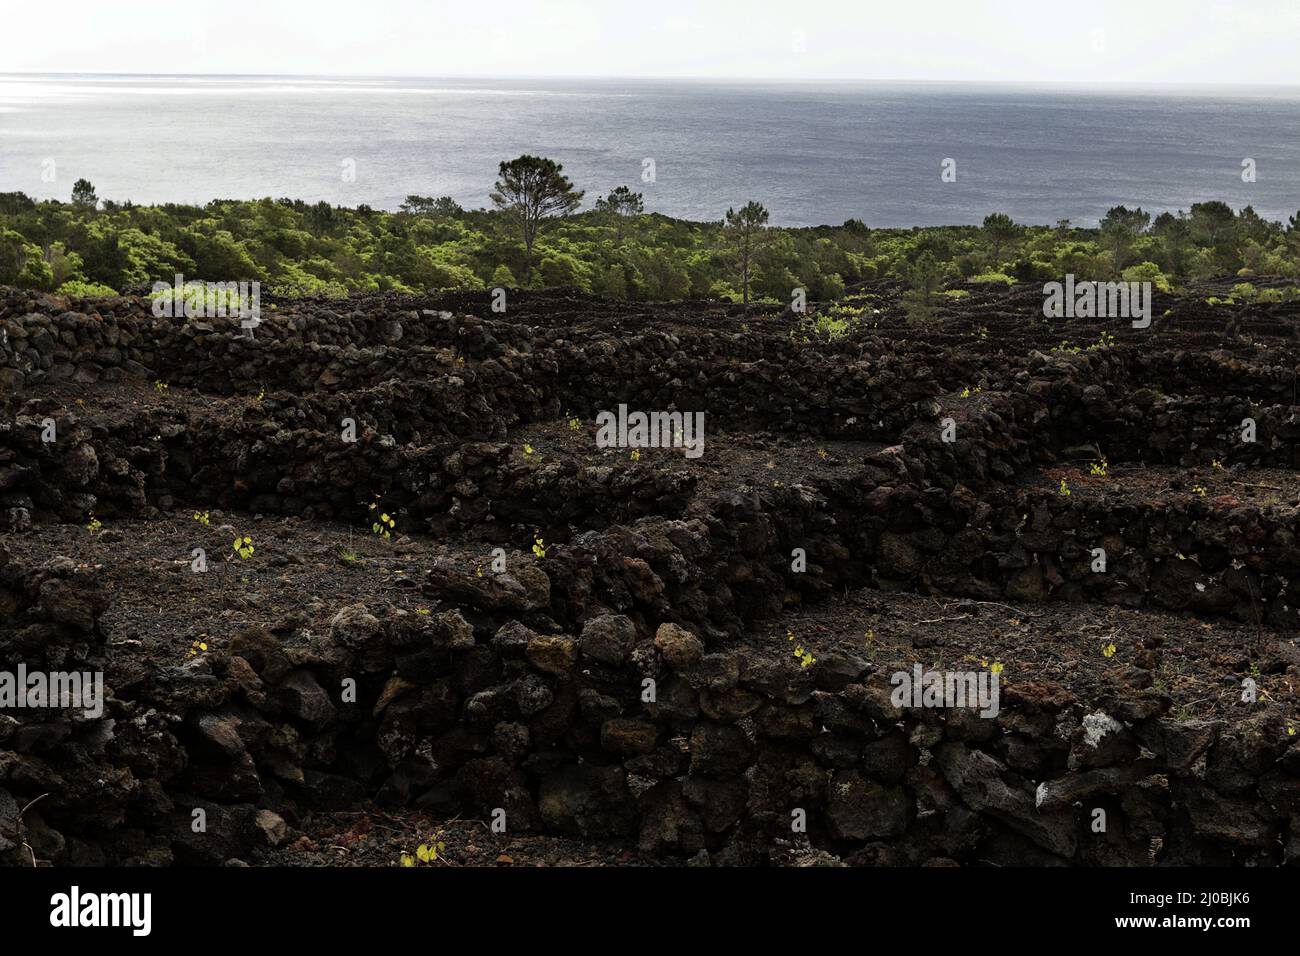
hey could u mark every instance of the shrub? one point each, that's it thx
(1146, 272)
(1243, 292)
(80, 289)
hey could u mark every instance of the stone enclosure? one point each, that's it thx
(588, 643)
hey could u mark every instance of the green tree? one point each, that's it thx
(1254, 227)
(13, 257)
(12, 204)
(83, 194)
(1174, 234)
(443, 206)
(744, 234)
(558, 269)
(22, 263)
(999, 229)
(619, 206)
(924, 278)
(531, 189)
(1146, 272)
(1120, 227)
(1212, 222)
(320, 218)
(64, 265)
(1214, 227)
(613, 283)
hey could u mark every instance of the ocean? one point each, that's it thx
(812, 153)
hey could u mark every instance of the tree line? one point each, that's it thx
(537, 235)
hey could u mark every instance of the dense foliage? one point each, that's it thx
(615, 249)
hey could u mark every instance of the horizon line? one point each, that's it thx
(1130, 84)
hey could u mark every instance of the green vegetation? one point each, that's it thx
(923, 279)
(620, 206)
(385, 523)
(243, 547)
(535, 237)
(745, 234)
(804, 657)
(425, 853)
(530, 190)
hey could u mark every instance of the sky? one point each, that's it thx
(1133, 42)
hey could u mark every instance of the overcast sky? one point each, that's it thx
(1041, 41)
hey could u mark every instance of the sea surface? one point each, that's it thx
(812, 153)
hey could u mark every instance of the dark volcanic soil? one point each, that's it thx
(301, 573)
(475, 434)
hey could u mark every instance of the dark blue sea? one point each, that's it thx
(811, 152)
